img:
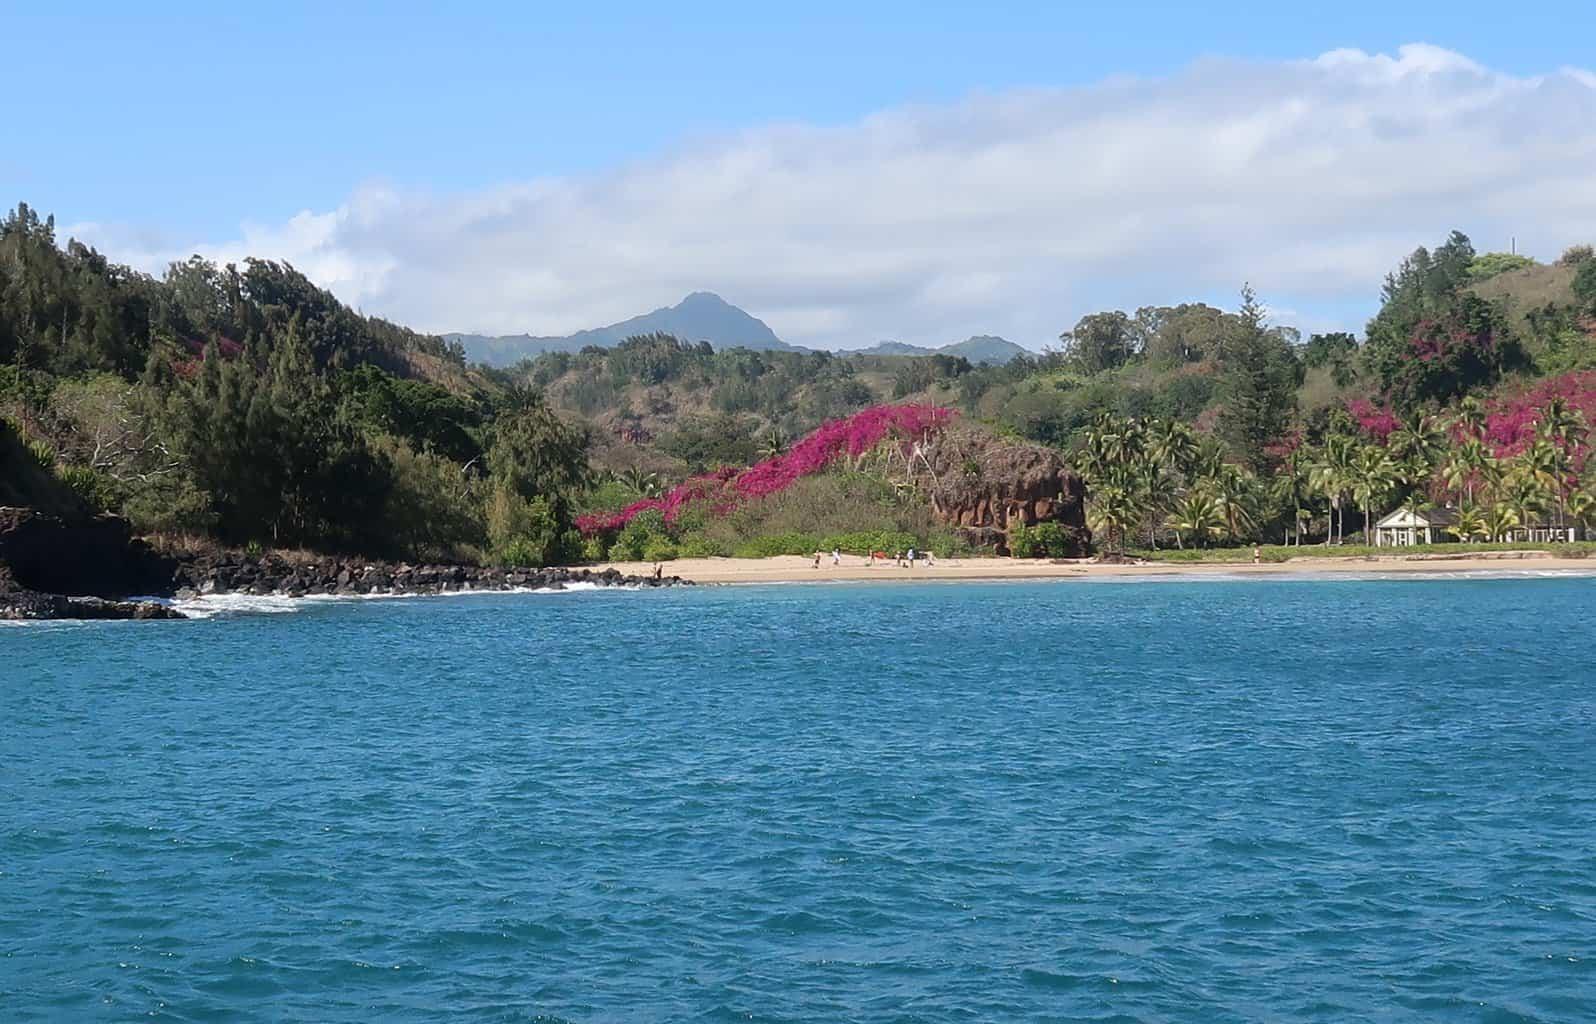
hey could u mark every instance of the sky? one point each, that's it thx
(847, 172)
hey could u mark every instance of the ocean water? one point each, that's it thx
(1174, 801)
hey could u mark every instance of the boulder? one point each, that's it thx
(985, 485)
(96, 555)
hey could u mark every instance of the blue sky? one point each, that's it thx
(172, 129)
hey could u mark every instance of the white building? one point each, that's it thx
(1544, 533)
(1406, 527)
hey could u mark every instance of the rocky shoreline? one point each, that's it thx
(20, 603)
(44, 558)
(273, 575)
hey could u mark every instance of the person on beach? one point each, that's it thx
(1257, 554)
(911, 558)
(817, 559)
(930, 559)
(836, 557)
(659, 571)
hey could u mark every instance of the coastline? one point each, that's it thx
(856, 569)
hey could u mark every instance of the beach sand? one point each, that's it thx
(797, 569)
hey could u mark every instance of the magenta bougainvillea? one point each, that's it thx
(1377, 421)
(725, 490)
(1510, 418)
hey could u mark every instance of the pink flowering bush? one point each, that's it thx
(723, 491)
(1379, 422)
(1511, 418)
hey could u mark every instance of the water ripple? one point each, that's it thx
(1182, 801)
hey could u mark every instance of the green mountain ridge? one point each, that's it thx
(980, 348)
(704, 317)
(701, 316)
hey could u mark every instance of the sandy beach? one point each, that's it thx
(796, 569)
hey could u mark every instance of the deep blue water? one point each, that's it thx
(1218, 801)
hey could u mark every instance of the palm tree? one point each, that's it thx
(1208, 462)
(1499, 520)
(645, 484)
(1524, 494)
(772, 443)
(1374, 476)
(1172, 444)
(1561, 423)
(1331, 475)
(1420, 441)
(1463, 465)
(1112, 510)
(1195, 513)
(1469, 421)
(1581, 505)
(1562, 430)
(1292, 485)
(1230, 492)
(1471, 523)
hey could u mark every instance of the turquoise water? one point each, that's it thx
(1218, 801)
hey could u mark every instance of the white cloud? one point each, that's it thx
(1010, 213)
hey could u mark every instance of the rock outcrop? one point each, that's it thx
(98, 555)
(985, 485)
(45, 557)
(20, 603)
(271, 574)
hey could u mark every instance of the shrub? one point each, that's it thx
(659, 549)
(595, 550)
(98, 491)
(1574, 255)
(701, 547)
(1044, 540)
(638, 535)
(526, 533)
(519, 553)
(781, 544)
(890, 541)
(42, 454)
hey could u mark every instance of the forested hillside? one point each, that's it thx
(245, 404)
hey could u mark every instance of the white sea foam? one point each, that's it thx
(209, 606)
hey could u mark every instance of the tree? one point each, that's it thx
(1499, 520)
(1259, 375)
(1197, 515)
(1465, 464)
(1489, 264)
(1230, 492)
(1292, 484)
(1585, 284)
(1099, 342)
(1469, 420)
(1332, 474)
(537, 455)
(1113, 509)
(1176, 335)
(1471, 523)
(1374, 476)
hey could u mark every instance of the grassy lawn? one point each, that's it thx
(1281, 553)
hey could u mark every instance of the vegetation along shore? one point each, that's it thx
(219, 419)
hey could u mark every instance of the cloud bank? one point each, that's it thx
(1011, 213)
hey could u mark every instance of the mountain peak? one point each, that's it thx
(700, 316)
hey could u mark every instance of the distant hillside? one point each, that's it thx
(1524, 291)
(702, 316)
(982, 348)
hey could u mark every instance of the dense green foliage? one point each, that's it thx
(250, 405)
(246, 404)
